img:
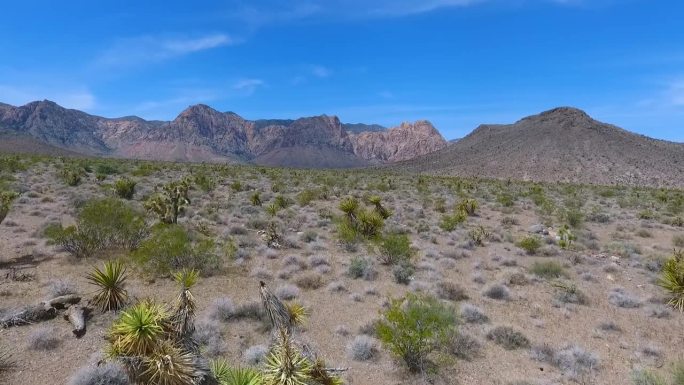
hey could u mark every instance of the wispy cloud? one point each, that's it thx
(71, 97)
(257, 14)
(248, 86)
(321, 71)
(676, 93)
(149, 49)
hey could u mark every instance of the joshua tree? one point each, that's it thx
(171, 202)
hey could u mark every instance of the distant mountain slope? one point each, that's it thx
(563, 144)
(201, 133)
(357, 128)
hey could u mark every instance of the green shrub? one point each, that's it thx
(124, 188)
(413, 327)
(306, 196)
(6, 199)
(506, 199)
(572, 216)
(72, 175)
(468, 205)
(205, 182)
(547, 269)
(672, 280)
(530, 244)
(395, 248)
(106, 169)
(170, 248)
(450, 222)
(101, 224)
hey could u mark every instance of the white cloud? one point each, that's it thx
(149, 49)
(248, 86)
(321, 71)
(79, 98)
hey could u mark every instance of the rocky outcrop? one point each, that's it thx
(201, 133)
(407, 141)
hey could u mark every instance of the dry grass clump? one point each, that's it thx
(508, 338)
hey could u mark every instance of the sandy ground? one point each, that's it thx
(531, 308)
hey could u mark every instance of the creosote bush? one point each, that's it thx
(415, 326)
(170, 248)
(6, 199)
(395, 248)
(548, 269)
(125, 188)
(101, 224)
(530, 244)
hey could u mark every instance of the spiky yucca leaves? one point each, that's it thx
(139, 330)
(171, 202)
(111, 294)
(285, 365)
(378, 207)
(321, 375)
(272, 209)
(184, 313)
(349, 206)
(277, 311)
(370, 223)
(228, 375)
(169, 365)
(672, 280)
(255, 199)
(298, 313)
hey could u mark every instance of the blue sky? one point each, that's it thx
(457, 63)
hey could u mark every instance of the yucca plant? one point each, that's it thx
(672, 280)
(272, 209)
(228, 375)
(379, 208)
(255, 199)
(169, 365)
(349, 206)
(370, 223)
(298, 313)
(184, 312)
(139, 330)
(111, 294)
(277, 311)
(321, 375)
(285, 365)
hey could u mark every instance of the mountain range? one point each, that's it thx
(560, 145)
(201, 133)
